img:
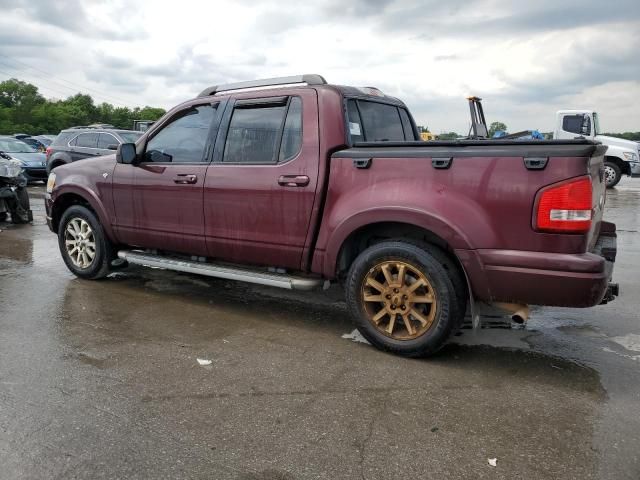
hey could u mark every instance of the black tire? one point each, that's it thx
(457, 278)
(3, 216)
(21, 211)
(104, 251)
(448, 315)
(612, 174)
(54, 165)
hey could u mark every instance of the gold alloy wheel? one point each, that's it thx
(395, 289)
(80, 242)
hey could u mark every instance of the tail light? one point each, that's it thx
(47, 152)
(565, 207)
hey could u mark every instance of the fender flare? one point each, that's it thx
(411, 216)
(92, 199)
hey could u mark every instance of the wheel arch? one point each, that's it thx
(373, 233)
(623, 165)
(71, 197)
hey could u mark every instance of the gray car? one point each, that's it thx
(32, 161)
(78, 143)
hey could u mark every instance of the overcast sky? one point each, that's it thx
(526, 61)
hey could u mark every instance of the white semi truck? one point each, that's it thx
(622, 156)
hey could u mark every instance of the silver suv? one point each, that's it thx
(83, 142)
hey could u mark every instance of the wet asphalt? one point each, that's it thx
(101, 380)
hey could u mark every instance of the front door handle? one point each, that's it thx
(185, 178)
(293, 180)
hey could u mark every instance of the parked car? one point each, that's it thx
(30, 141)
(32, 161)
(45, 140)
(83, 142)
(292, 182)
(14, 198)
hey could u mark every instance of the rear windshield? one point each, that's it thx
(378, 122)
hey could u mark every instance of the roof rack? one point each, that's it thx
(308, 79)
(100, 126)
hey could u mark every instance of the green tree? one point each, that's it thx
(496, 126)
(24, 110)
(448, 136)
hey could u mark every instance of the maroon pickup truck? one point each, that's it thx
(293, 183)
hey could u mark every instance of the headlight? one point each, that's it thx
(9, 168)
(51, 182)
(630, 156)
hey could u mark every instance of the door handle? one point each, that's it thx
(185, 178)
(293, 180)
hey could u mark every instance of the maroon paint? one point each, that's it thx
(483, 207)
(251, 218)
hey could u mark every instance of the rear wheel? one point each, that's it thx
(612, 174)
(85, 249)
(402, 298)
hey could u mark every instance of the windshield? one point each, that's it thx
(130, 137)
(11, 145)
(596, 124)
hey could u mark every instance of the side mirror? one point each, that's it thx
(126, 154)
(586, 125)
(113, 146)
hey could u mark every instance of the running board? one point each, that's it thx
(212, 270)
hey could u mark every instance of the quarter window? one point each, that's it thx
(87, 140)
(292, 133)
(184, 139)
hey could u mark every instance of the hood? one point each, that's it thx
(30, 159)
(618, 142)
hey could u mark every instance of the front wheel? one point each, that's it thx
(402, 299)
(612, 174)
(85, 249)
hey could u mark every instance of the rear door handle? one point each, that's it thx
(185, 178)
(293, 180)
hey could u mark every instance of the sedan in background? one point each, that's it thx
(33, 162)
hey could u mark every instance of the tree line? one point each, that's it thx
(24, 110)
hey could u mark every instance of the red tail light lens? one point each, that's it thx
(48, 152)
(566, 207)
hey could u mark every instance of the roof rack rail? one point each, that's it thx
(308, 79)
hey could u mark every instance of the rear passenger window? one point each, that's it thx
(378, 122)
(264, 134)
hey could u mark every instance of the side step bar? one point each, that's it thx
(212, 270)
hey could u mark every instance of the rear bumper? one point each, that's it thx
(539, 278)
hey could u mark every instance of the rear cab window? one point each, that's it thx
(372, 121)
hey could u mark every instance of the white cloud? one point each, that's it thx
(526, 61)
